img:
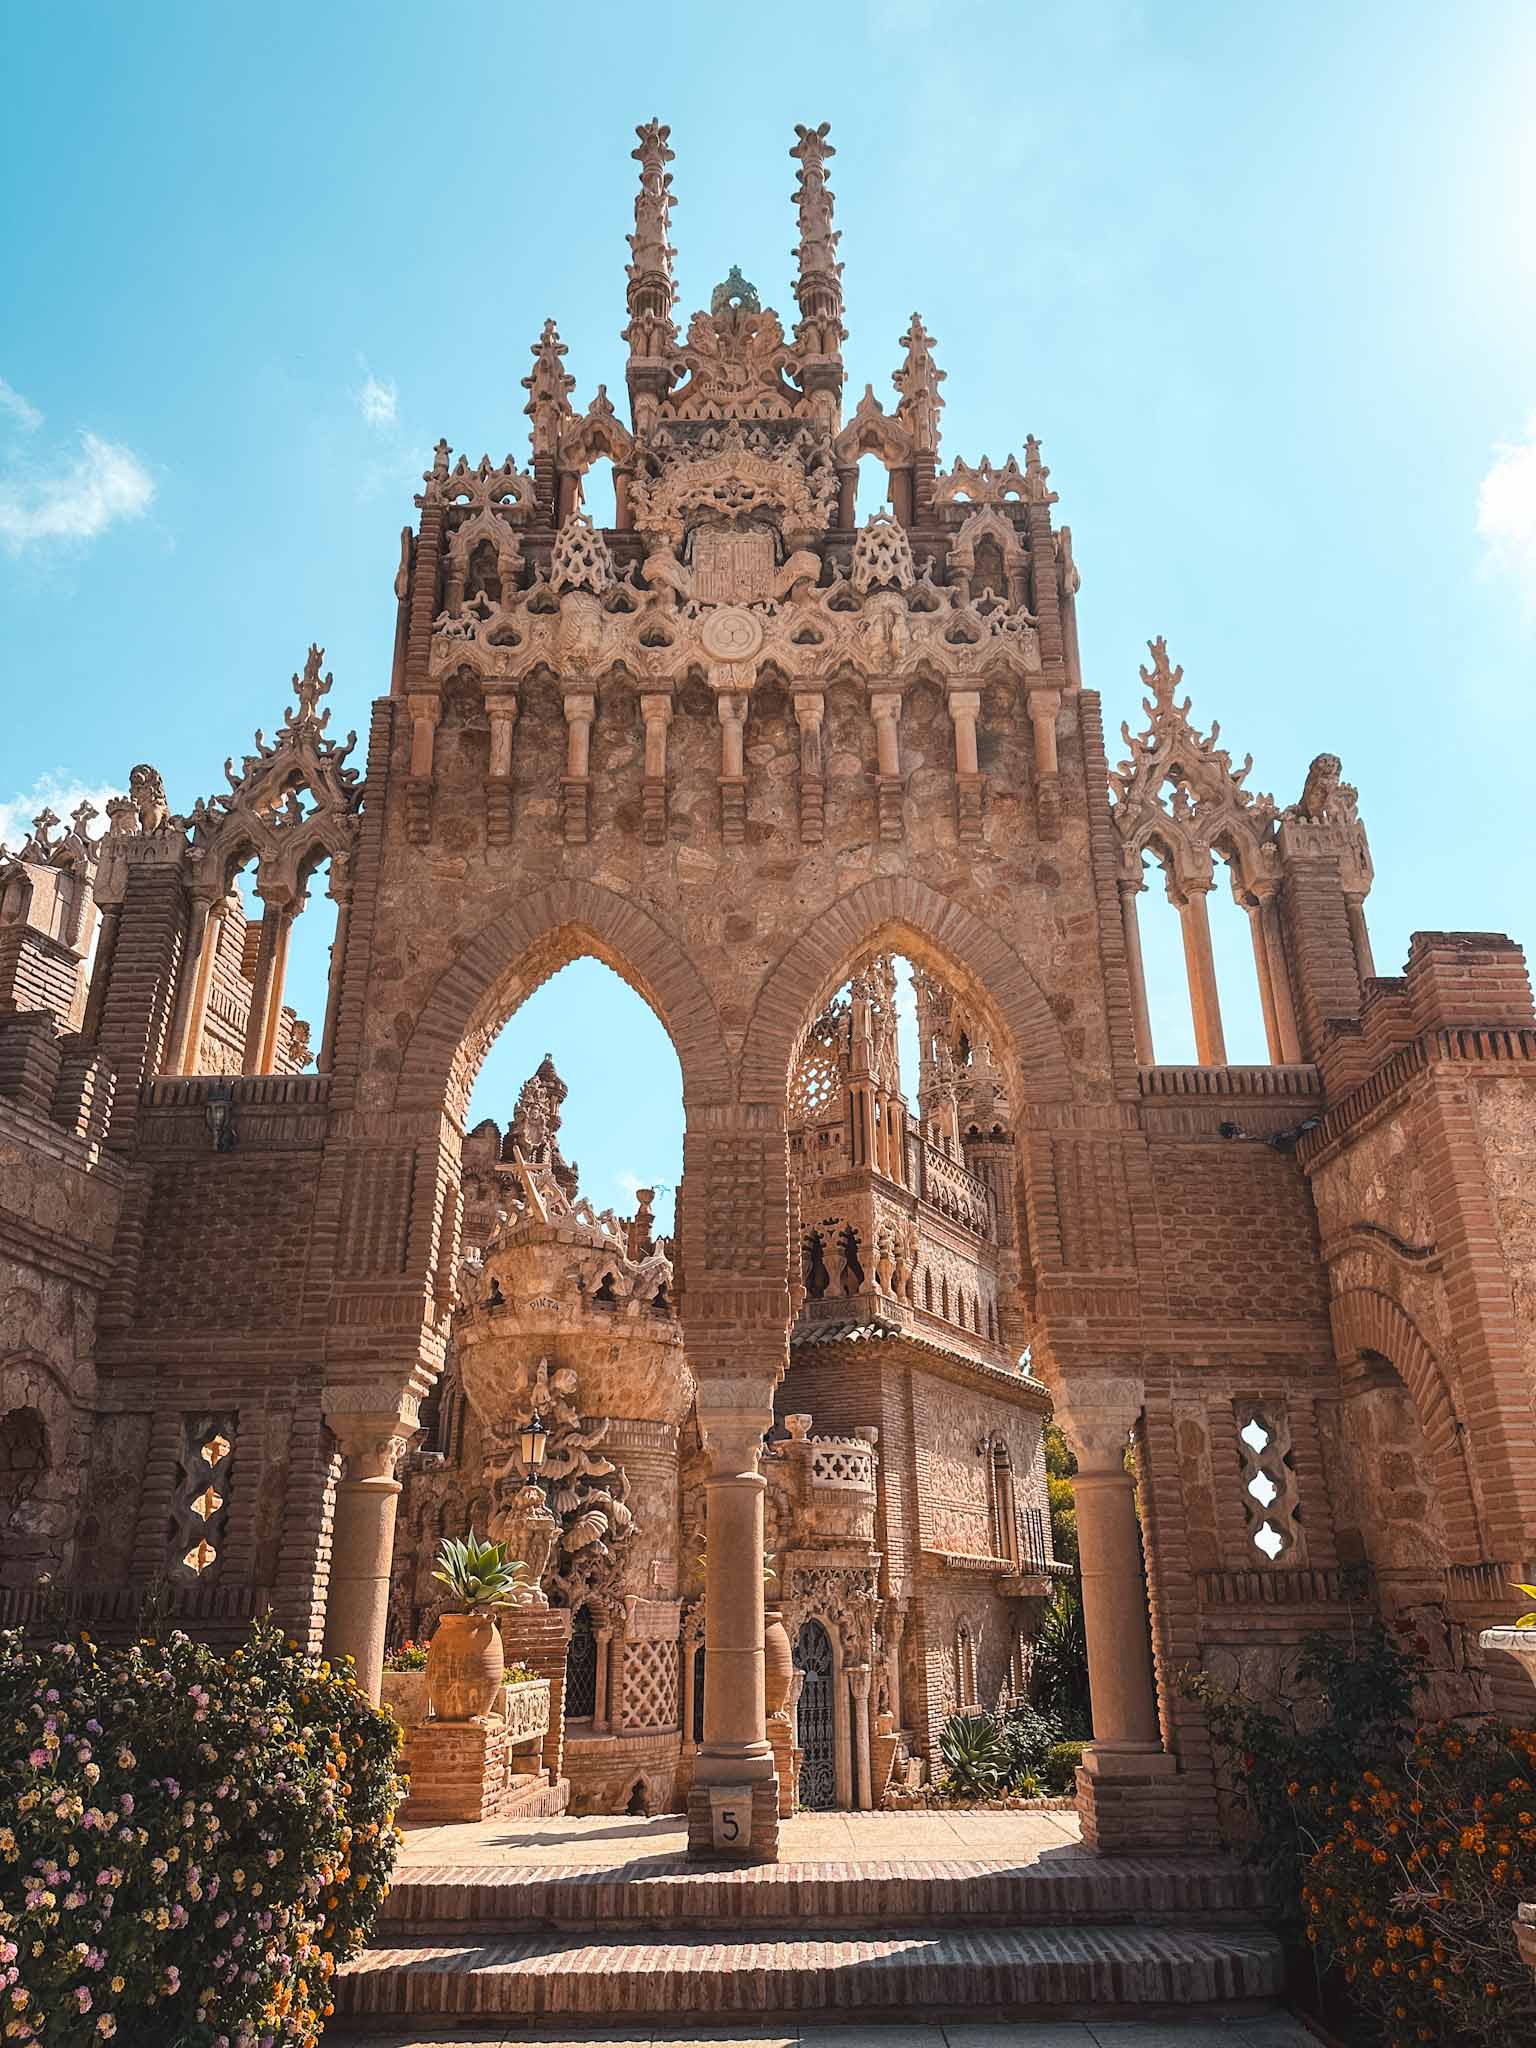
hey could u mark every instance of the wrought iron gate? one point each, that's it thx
(818, 1770)
(581, 1669)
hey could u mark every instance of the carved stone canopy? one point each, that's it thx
(1178, 794)
(293, 803)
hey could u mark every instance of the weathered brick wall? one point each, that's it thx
(1238, 1237)
(198, 1208)
(59, 1200)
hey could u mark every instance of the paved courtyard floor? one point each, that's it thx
(612, 1841)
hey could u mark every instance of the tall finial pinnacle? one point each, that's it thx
(652, 294)
(818, 285)
(918, 382)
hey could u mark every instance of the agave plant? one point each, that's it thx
(975, 1756)
(480, 1574)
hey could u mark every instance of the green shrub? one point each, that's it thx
(190, 1843)
(975, 1756)
(1061, 1762)
(1027, 1736)
(1059, 1676)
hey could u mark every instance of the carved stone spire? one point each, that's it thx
(549, 390)
(818, 284)
(918, 381)
(652, 294)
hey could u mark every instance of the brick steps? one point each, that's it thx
(1017, 1972)
(435, 1900)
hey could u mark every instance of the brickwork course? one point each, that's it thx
(747, 753)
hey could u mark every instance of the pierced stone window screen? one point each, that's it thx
(650, 1685)
(201, 1509)
(1267, 1479)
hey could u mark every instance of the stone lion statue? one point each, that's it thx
(1325, 798)
(146, 792)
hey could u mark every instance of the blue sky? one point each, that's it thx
(1261, 279)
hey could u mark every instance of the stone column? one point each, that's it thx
(1355, 909)
(600, 1710)
(339, 890)
(732, 707)
(895, 1629)
(1114, 1596)
(733, 1416)
(1129, 1795)
(810, 709)
(1288, 1037)
(858, 1679)
(204, 930)
(425, 708)
(267, 981)
(656, 711)
(1141, 1017)
(101, 971)
(501, 705)
(576, 784)
(1210, 1045)
(885, 707)
(964, 711)
(363, 1541)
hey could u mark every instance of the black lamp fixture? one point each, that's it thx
(219, 1112)
(533, 1439)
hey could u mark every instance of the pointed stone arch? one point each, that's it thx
(522, 949)
(1367, 1322)
(908, 916)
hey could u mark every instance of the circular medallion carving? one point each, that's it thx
(731, 634)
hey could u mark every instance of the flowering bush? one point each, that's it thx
(1414, 1890)
(410, 1656)
(190, 1842)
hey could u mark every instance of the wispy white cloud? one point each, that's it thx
(74, 500)
(56, 792)
(1506, 511)
(18, 409)
(378, 401)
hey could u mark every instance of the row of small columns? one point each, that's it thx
(569, 495)
(1275, 998)
(732, 706)
(280, 906)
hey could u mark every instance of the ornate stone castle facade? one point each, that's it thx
(743, 750)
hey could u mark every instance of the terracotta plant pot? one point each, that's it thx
(465, 1666)
(778, 1662)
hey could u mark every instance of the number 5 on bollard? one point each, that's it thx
(730, 1808)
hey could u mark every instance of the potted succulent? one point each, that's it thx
(404, 1686)
(466, 1663)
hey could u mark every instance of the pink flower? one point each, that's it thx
(82, 1998)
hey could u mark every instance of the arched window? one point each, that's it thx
(1005, 1517)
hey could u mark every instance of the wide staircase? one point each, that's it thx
(991, 1929)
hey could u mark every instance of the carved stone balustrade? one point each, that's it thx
(830, 1485)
